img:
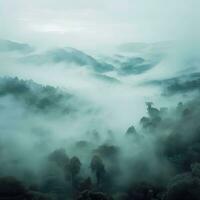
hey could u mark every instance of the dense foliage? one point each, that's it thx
(158, 161)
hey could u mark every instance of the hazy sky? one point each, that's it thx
(85, 23)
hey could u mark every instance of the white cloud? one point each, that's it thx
(93, 22)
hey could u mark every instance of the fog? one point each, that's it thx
(99, 100)
(57, 104)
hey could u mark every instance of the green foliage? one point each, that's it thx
(11, 187)
(36, 97)
(87, 195)
(97, 166)
(60, 158)
(184, 187)
(74, 166)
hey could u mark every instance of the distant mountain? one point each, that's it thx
(10, 46)
(179, 85)
(136, 65)
(106, 79)
(132, 65)
(138, 58)
(68, 56)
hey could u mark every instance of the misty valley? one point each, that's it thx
(117, 125)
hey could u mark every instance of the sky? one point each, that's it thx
(91, 23)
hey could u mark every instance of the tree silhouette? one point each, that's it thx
(98, 168)
(131, 131)
(59, 157)
(73, 168)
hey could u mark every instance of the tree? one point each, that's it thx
(10, 188)
(73, 168)
(108, 152)
(97, 167)
(131, 131)
(183, 187)
(59, 157)
(86, 184)
(153, 112)
(145, 122)
(195, 168)
(88, 195)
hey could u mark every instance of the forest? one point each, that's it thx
(159, 160)
(99, 100)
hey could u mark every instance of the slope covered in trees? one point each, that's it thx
(36, 97)
(158, 160)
